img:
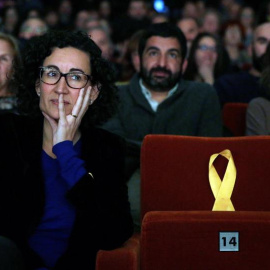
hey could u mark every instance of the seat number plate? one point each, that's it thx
(229, 241)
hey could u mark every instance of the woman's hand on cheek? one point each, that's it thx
(67, 125)
(207, 73)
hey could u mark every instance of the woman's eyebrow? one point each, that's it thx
(76, 69)
(52, 66)
(71, 70)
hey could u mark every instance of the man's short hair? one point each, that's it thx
(165, 30)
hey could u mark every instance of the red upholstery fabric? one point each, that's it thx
(124, 258)
(174, 176)
(190, 240)
(174, 172)
(234, 118)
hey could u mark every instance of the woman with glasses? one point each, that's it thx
(63, 196)
(207, 59)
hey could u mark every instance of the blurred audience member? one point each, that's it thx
(137, 9)
(93, 22)
(247, 19)
(211, 22)
(224, 8)
(30, 28)
(234, 11)
(207, 60)
(233, 34)
(65, 11)
(9, 56)
(200, 4)
(258, 111)
(81, 20)
(51, 18)
(190, 10)
(10, 23)
(244, 86)
(105, 10)
(136, 18)
(131, 61)
(33, 12)
(190, 28)
(159, 18)
(102, 38)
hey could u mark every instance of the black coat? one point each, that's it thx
(103, 218)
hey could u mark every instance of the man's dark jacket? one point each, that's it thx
(192, 110)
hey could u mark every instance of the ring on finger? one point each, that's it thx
(75, 116)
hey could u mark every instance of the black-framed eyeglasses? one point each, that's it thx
(75, 79)
(207, 48)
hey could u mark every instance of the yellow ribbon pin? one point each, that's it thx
(222, 190)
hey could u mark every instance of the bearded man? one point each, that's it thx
(159, 101)
(244, 86)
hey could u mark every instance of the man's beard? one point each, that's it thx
(159, 84)
(258, 61)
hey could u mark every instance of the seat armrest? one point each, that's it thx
(126, 257)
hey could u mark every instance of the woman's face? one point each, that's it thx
(247, 16)
(6, 58)
(232, 35)
(206, 53)
(65, 60)
(11, 16)
(211, 23)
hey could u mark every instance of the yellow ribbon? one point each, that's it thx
(222, 190)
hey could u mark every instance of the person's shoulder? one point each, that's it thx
(197, 87)
(24, 128)
(111, 146)
(12, 119)
(104, 138)
(259, 101)
(125, 91)
(235, 77)
(122, 89)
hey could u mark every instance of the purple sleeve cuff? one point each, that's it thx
(72, 167)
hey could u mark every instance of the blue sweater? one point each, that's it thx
(50, 239)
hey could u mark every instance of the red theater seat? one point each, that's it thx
(174, 177)
(234, 118)
(174, 173)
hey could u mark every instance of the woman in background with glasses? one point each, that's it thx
(207, 59)
(63, 196)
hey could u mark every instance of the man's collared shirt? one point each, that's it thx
(153, 103)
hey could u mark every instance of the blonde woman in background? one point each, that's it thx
(9, 55)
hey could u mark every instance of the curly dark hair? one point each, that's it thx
(103, 74)
(222, 63)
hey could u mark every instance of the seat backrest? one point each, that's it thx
(182, 240)
(174, 172)
(234, 118)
